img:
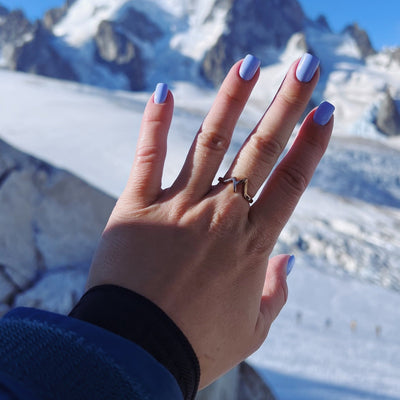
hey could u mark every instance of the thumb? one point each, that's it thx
(275, 292)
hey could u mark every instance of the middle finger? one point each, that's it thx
(212, 140)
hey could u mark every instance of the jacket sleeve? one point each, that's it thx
(134, 317)
(49, 356)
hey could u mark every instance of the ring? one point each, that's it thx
(236, 182)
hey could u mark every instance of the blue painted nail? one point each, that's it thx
(307, 67)
(290, 265)
(160, 93)
(249, 67)
(323, 113)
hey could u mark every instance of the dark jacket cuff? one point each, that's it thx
(136, 318)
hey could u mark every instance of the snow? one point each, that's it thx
(347, 248)
(304, 358)
(81, 22)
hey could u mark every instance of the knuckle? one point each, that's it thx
(225, 220)
(148, 154)
(316, 146)
(294, 179)
(267, 148)
(214, 139)
(292, 99)
(233, 97)
(177, 211)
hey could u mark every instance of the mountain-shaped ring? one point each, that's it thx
(236, 182)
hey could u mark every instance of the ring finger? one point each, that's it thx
(263, 147)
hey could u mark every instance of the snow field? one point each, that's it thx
(93, 132)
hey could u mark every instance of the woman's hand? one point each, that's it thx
(198, 251)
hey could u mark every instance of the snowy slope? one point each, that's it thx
(92, 132)
(83, 19)
(186, 40)
(304, 358)
(354, 83)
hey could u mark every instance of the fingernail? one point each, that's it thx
(249, 67)
(323, 113)
(307, 67)
(160, 93)
(290, 265)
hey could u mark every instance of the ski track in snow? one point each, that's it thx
(92, 133)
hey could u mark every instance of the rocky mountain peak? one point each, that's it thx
(393, 55)
(322, 22)
(388, 116)
(361, 38)
(125, 44)
(14, 27)
(252, 26)
(3, 11)
(38, 56)
(55, 15)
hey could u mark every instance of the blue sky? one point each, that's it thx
(381, 18)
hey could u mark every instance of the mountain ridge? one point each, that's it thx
(205, 36)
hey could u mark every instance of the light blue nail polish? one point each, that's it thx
(307, 67)
(249, 67)
(290, 264)
(160, 93)
(323, 113)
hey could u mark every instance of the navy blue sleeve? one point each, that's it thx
(139, 320)
(49, 356)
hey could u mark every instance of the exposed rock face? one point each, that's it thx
(3, 11)
(298, 42)
(117, 45)
(241, 383)
(14, 27)
(361, 38)
(38, 56)
(252, 26)
(118, 53)
(388, 117)
(30, 47)
(394, 55)
(55, 15)
(50, 223)
(323, 23)
(217, 62)
(251, 386)
(138, 25)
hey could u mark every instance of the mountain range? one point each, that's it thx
(132, 45)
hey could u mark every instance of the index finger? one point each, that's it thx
(293, 174)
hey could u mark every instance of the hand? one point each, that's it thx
(199, 251)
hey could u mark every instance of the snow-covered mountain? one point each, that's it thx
(132, 45)
(126, 44)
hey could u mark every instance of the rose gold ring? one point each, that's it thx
(236, 182)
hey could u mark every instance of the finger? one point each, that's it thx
(293, 174)
(275, 292)
(213, 139)
(144, 184)
(265, 144)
